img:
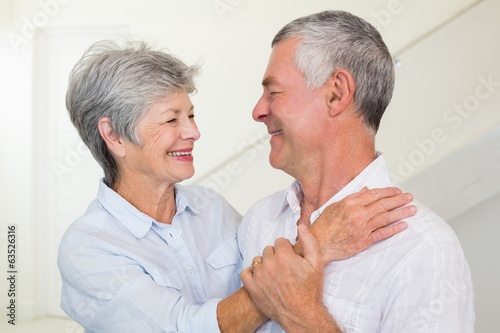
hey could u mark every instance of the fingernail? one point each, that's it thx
(413, 209)
(409, 196)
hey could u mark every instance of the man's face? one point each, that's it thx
(293, 113)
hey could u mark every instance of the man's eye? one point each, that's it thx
(191, 116)
(274, 92)
(171, 121)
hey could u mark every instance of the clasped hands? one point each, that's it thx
(286, 281)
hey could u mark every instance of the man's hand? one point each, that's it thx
(288, 288)
(350, 226)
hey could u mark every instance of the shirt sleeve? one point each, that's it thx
(105, 292)
(432, 292)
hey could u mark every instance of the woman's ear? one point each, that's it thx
(113, 140)
(340, 92)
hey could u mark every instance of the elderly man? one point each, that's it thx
(328, 82)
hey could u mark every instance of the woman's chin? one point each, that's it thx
(186, 176)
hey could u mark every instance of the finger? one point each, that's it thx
(359, 193)
(256, 259)
(283, 247)
(386, 232)
(390, 203)
(268, 252)
(246, 277)
(281, 244)
(385, 218)
(370, 196)
(310, 247)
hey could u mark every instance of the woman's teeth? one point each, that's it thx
(174, 153)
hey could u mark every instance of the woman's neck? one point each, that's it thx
(151, 198)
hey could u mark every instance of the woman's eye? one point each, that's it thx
(171, 121)
(191, 116)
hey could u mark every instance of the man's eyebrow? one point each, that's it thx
(267, 82)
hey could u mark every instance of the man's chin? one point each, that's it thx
(275, 161)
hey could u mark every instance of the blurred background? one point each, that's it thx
(440, 134)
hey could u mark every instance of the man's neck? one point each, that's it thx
(333, 175)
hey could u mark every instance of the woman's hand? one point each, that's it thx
(350, 226)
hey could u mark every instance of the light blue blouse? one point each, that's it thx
(124, 272)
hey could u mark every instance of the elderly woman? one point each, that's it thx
(150, 255)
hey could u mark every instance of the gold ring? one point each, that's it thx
(255, 264)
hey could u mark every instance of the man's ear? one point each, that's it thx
(113, 140)
(340, 92)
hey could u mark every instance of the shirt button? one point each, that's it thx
(189, 269)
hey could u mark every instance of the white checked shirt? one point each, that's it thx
(416, 281)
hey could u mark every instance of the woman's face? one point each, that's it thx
(167, 132)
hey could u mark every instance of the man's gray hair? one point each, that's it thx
(333, 40)
(120, 82)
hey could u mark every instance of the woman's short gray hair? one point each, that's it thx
(120, 82)
(333, 40)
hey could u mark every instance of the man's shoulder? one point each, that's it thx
(427, 235)
(426, 232)
(430, 226)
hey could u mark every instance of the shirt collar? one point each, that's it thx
(375, 175)
(133, 219)
(188, 198)
(292, 196)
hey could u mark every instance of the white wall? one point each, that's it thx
(16, 162)
(447, 91)
(478, 231)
